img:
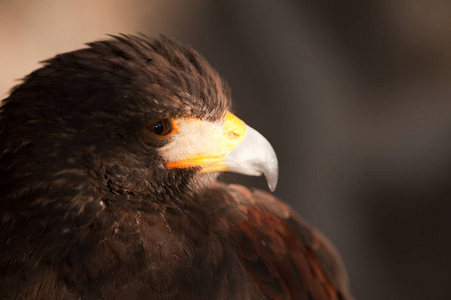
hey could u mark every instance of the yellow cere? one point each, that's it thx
(234, 128)
(203, 143)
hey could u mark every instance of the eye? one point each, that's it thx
(163, 127)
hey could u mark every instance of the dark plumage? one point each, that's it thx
(89, 210)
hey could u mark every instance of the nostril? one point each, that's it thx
(233, 135)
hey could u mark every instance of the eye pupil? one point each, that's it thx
(162, 127)
(158, 128)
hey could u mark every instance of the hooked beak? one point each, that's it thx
(229, 146)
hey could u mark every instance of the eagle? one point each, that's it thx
(109, 158)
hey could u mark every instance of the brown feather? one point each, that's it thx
(286, 257)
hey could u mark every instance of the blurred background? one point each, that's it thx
(354, 96)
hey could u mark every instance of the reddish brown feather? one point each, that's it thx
(286, 257)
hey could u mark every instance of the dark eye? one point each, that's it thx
(162, 127)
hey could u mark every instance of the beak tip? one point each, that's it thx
(272, 187)
(272, 177)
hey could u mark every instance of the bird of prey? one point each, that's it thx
(108, 163)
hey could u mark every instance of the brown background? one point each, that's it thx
(353, 95)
